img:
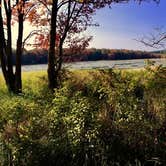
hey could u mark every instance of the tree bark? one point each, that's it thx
(52, 80)
(3, 66)
(9, 47)
(2, 48)
(18, 79)
(6, 49)
(13, 81)
(59, 61)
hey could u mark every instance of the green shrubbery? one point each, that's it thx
(100, 117)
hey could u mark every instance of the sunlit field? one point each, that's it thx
(95, 117)
(82, 83)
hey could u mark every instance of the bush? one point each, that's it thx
(100, 117)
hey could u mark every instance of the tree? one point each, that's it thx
(13, 80)
(65, 26)
(13, 12)
(62, 21)
(85, 7)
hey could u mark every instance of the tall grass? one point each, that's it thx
(95, 117)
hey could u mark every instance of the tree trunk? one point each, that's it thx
(3, 66)
(13, 81)
(52, 77)
(18, 80)
(2, 48)
(59, 61)
(9, 50)
(62, 39)
(6, 50)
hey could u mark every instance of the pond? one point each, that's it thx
(102, 64)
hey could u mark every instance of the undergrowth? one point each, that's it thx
(95, 117)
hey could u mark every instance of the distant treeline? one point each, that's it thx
(110, 54)
(40, 56)
(160, 52)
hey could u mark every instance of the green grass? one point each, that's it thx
(95, 117)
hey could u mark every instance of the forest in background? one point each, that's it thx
(39, 56)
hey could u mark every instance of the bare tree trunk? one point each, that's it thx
(60, 48)
(6, 50)
(2, 48)
(13, 81)
(9, 47)
(59, 61)
(3, 65)
(18, 80)
(52, 81)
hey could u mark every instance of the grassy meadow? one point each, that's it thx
(95, 118)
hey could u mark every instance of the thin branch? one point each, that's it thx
(155, 40)
(61, 4)
(31, 34)
(29, 9)
(45, 5)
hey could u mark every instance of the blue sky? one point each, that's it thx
(123, 23)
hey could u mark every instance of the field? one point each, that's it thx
(95, 117)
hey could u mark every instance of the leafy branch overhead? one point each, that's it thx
(73, 17)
